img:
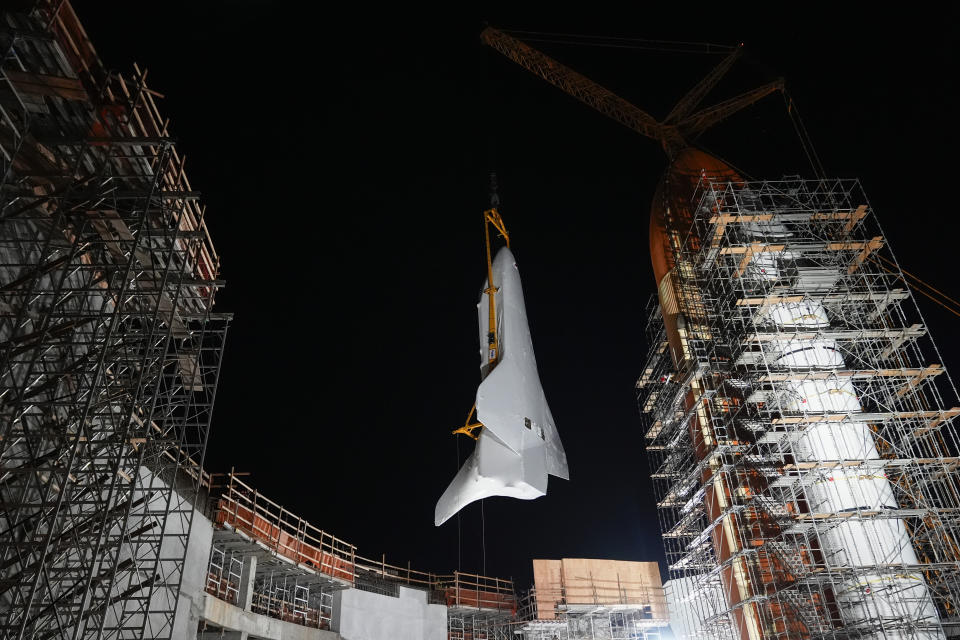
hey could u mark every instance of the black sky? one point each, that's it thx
(343, 160)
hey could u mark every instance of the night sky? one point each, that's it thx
(343, 160)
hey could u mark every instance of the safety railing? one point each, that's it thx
(140, 118)
(244, 509)
(576, 594)
(396, 573)
(471, 591)
(283, 609)
(223, 575)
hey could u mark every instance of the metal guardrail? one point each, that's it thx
(244, 509)
(284, 609)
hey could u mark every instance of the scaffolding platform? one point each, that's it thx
(250, 523)
(110, 349)
(300, 566)
(802, 430)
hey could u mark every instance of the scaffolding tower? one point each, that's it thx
(109, 349)
(627, 619)
(804, 447)
(478, 607)
(592, 599)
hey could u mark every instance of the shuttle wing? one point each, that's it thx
(519, 445)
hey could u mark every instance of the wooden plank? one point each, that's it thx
(856, 217)
(900, 340)
(938, 419)
(756, 247)
(928, 372)
(40, 84)
(829, 417)
(767, 301)
(598, 582)
(873, 462)
(730, 217)
(935, 417)
(47, 80)
(873, 245)
(915, 374)
(748, 251)
(745, 262)
(548, 582)
(845, 246)
(899, 336)
(723, 220)
(852, 217)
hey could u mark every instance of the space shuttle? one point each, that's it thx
(518, 446)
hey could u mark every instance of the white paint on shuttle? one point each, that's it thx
(519, 445)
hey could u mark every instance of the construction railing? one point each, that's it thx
(397, 574)
(223, 575)
(284, 609)
(471, 591)
(238, 506)
(573, 596)
(244, 509)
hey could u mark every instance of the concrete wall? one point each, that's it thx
(196, 604)
(174, 543)
(190, 605)
(361, 615)
(357, 615)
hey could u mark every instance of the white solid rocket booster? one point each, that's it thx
(519, 445)
(865, 600)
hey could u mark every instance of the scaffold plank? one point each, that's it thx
(900, 335)
(868, 248)
(723, 220)
(851, 373)
(935, 416)
(852, 217)
(877, 463)
(759, 463)
(884, 297)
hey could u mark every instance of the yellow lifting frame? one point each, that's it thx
(490, 217)
(468, 427)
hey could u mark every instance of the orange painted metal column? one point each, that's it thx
(670, 219)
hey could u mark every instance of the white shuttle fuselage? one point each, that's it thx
(519, 445)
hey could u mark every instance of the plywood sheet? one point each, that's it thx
(547, 580)
(591, 581)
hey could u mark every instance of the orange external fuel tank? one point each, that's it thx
(670, 219)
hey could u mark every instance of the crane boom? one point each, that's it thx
(689, 102)
(702, 120)
(678, 127)
(577, 85)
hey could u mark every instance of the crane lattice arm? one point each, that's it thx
(694, 125)
(693, 98)
(678, 127)
(580, 87)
